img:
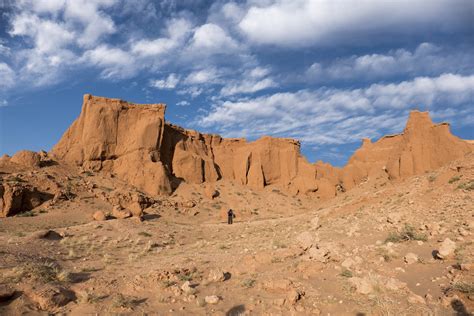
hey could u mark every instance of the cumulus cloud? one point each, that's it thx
(211, 38)
(115, 62)
(338, 116)
(427, 59)
(176, 31)
(308, 22)
(169, 82)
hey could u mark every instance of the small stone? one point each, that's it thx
(216, 275)
(446, 249)
(187, 288)
(121, 213)
(212, 299)
(99, 216)
(467, 266)
(362, 285)
(293, 296)
(416, 299)
(410, 258)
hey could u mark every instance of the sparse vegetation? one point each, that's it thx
(432, 178)
(454, 179)
(463, 287)
(408, 233)
(469, 186)
(144, 234)
(124, 301)
(26, 214)
(346, 273)
(44, 272)
(248, 283)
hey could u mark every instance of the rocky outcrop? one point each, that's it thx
(16, 197)
(423, 146)
(133, 142)
(27, 158)
(121, 138)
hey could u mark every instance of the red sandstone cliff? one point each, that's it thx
(133, 142)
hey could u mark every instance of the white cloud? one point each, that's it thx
(169, 82)
(247, 86)
(176, 32)
(426, 59)
(338, 116)
(192, 91)
(211, 38)
(47, 35)
(183, 103)
(306, 22)
(203, 76)
(116, 63)
(7, 76)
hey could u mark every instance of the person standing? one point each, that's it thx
(230, 217)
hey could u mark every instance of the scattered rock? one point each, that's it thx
(319, 254)
(410, 258)
(6, 292)
(446, 249)
(416, 299)
(187, 288)
(120, 213)
(349, 262)
(294, 296)
(212, 299)
(362, 285)
(210, 192)
(216, 275)
(305, 240)
(46, 234)
(50, 297)
(99, 216)
(27, 158)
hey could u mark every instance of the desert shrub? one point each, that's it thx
(26, 214)
(454, 179)
(144, 234)
(45, 272)
(248, 283)
(346, 273)
(124, 301)
(408, 233)
(467, 186)
(463, 287)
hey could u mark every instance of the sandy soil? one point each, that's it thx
(370, 251)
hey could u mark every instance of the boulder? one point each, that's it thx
(446, 249)
(99, 216)
(120, 213)
(27, 158)
(16, 197)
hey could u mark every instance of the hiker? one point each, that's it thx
(230, 216)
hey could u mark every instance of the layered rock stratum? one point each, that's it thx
(135, 143)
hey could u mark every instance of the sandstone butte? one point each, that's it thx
(136, 144)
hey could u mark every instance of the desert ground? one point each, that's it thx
(98, 245)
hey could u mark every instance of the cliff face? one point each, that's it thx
(133, 142)
(423, 146)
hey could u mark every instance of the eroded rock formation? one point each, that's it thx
(133, 142)
(423, 146)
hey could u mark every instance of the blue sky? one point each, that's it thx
(325, 72)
